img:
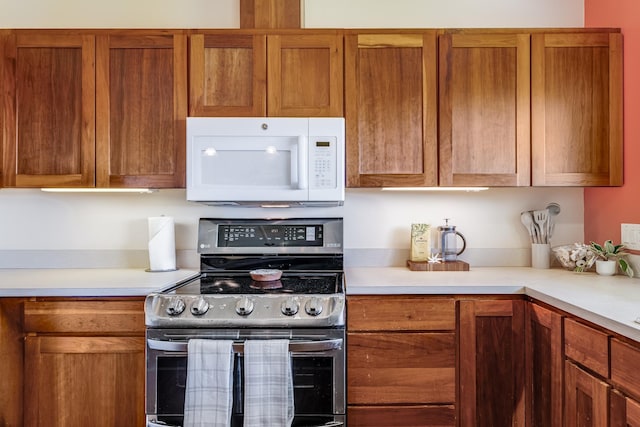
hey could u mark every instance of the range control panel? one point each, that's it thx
(287, 236)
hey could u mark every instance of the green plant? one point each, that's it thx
(609, 251)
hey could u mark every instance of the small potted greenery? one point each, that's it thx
(607, 255)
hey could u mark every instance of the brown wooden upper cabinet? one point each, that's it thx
(241, 73)
(484, 113)
(103, 109)
(141, 86)
(390, 109)
(49, 109)
(576, 90)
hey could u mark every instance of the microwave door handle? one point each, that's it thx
(238, 347)
(303, 176)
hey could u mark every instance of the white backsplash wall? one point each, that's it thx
(76, 230)
(442, 14)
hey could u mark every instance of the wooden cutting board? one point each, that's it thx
(441, 266)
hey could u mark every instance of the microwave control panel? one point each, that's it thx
(322, 162)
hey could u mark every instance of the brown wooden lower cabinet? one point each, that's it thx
(586, 399)
(84, 363)
(84, 381)
(625, 412)
(401, 361)
(492, 363)
(545, 366)
(402, 416)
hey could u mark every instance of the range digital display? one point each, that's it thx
(247, 235)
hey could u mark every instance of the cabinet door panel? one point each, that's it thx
(390, 109)
(491, 363)
(228, 75)
(304, 75)
(401, 368)
(401, 416)
(484, 109)
(142, 105)
(586, 398)
(49, 109)
(81, 381)
(545, 367)
(577, 109)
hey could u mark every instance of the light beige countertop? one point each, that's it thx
(86, 282)
(611, 302)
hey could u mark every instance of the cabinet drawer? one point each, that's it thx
(625, 360)
(390, 313)
(408, 368)
(401, 416)
(588, 347)
(80, 316)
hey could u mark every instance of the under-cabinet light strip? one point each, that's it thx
(99, 190)
(467, 189)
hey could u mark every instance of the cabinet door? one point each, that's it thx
(484, 110)
(586, 398)
(227, 75)
(390, 109)
(304, 75)
(491, 363)
(142, 110)
(576, 89)
(49, 109)
(545, 367)
(84, 381)
(625, 412)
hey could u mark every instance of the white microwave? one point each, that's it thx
(266, 161)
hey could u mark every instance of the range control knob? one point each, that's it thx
(313, 307)
(244, 306)
(199, 307)
(289, 307)
(176, 306)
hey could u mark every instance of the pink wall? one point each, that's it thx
(606, 208)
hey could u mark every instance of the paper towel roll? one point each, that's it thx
(162, 244)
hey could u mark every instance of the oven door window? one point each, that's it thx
(312, 380)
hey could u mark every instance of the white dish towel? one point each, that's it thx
(209, 389)
(268, 384)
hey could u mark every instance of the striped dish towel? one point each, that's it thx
(209, 392)
(268, 384)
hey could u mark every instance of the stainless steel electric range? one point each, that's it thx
(229, 299)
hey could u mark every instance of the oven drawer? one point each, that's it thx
(85, 316)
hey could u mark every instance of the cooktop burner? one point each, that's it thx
(242, 283)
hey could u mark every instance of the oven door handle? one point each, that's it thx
(238, 347)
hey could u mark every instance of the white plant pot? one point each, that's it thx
(606, 268)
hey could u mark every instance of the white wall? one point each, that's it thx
(442, 14)
(119, 14)
(95, 230)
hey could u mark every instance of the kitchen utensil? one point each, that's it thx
(527, 220)
(448, 242)
(554, 210)
(541, 217)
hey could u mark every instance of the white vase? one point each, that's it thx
(606, 268)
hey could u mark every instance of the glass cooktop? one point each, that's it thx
(242, 283)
